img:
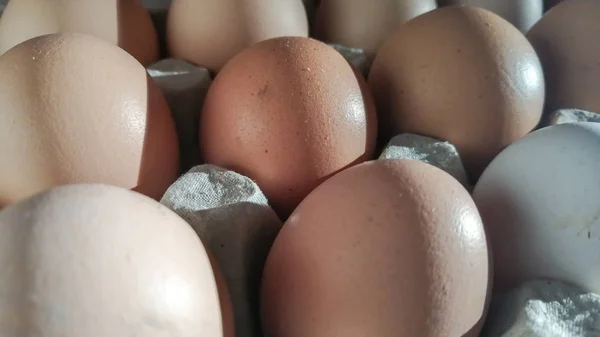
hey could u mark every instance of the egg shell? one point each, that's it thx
(97, 261)
(77, 109)
(566, 40)
(460, 74)
(123, 22)
(210, 32)
(387, 248)
(539, 203)
(288, 113)
(365, 24)
(521, 13)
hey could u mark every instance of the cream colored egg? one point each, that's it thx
(123, 22)
(365, 24)
(210, 32)
(99, 261)
(76, 109)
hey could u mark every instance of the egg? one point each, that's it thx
(539, 203)
(566, 42)
(386, 248)
(288, 113)
(123, 22)
(210, 32)
(97, 260)
(77, 109)
(521, 13)
(460, 74)
(365, 24)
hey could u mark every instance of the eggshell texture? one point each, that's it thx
(389, 248)
(521, 13)
(365, 24)
(76, 109)
(539, 202)
(210, 32)
(460, 74)
(97, 261)
(566, 40)
(122, 22)
(288, 113)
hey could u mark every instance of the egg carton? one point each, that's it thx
(233, 217)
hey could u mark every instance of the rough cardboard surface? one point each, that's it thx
(573, 116)
(184, 86)
(232, 217)
(440, 154)
(544, 309)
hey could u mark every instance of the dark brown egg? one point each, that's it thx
(566, 40)
(460, 74)
(389, 248)
(288, 112)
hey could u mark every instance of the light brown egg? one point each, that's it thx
(389, 248)
(77, 109)
(521, 13)
(210, 32)
(460, 74)
(288, 113)
(97, 261)
(123, 22)
(365, 24)
(566, 40)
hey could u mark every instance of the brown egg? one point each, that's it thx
(389, 248)
(210, 32)
(460, 74)
(365, 24)
(566, 40)
(122, 22)
(521, 13)
(76, 109)
(98, 261)
(288, 112)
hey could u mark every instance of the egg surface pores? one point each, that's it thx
(539, 202)
(365, 24)
(97, 261)
(566, 40)
(76, 109)
(388, 248)
(210, 32)
(123, 22)
(460, 74)
(288, 113)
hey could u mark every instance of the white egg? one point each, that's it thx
(540, 203)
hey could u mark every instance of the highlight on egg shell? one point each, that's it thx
(288, 113)
(210, 32)
(386, 248)
(97, 261)
(460, 74)
(539, 203)
(125, 23)
(77, 109)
